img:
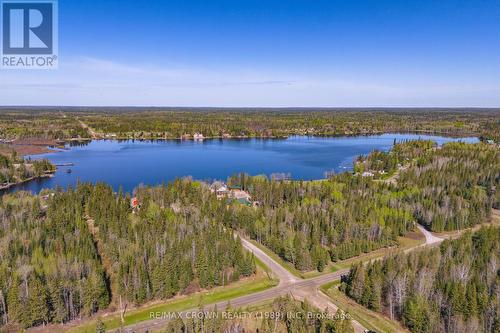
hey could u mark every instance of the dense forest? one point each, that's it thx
(50, 269)
(284, 316)
(14, 169)
(453, 288)
(382, 164)
(72, 254)
(162, 123)
(41, 124)
(449, 187)
(285, 122)
(174, 242)
(453, 187)
(310, 223)
(282, 123)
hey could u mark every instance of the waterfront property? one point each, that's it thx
(231, 193)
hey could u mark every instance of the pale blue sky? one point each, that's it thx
(269, 53)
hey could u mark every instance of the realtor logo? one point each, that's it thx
(29, 34)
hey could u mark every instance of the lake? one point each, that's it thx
(130, 163)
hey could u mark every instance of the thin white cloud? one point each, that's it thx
(89, 81)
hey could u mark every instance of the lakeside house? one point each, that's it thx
(232, 193)
(198, 137)
(241, 196)
(221, 191)
(195, 137)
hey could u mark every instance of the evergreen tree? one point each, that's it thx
(14, 305)
(38, 303)
(100, 327)
(415, 315)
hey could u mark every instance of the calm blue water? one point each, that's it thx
(131, 163)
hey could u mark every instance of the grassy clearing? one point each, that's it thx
(262, 266)
(324, 288)
(369, 319)
(249, 286)
(250, 322)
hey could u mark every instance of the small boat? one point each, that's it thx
(69, 171)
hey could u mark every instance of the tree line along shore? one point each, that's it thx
(175, 123)
(15, 170)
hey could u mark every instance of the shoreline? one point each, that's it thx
(240, 137)
(11, 185)
(37, 148)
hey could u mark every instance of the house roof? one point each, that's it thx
(222, 189)
(244, 201)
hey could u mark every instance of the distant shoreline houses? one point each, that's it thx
(198, 137)
(195, 137)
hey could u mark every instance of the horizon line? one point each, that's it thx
(256, 107)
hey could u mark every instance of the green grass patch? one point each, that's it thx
(369, 319)
(261, 265)
(250, 323)
(324, 288)
(215, 295)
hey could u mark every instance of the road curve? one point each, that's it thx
(289, 284)
(285, 277)
(430, 239)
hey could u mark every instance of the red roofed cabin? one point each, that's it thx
(134, 203)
